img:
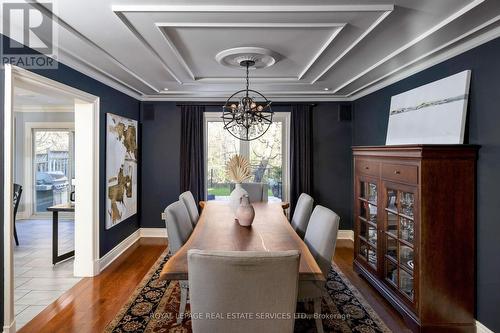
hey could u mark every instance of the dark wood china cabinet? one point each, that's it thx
(414, 211)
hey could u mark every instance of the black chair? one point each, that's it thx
(18, 190)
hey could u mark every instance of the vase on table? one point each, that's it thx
(245, 212)
(235, 197)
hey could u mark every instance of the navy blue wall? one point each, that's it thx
(160, 160)
(370, 127)
(114, 101)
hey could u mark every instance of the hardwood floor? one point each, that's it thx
(93, 302)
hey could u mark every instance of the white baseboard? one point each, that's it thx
(480, 328)
(153, 232)
(10, 328)
(117, 251)
(346, 234)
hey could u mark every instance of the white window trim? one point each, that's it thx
(28, 165)
(278, 116)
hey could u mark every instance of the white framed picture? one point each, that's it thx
(434, 113)
(121, 169)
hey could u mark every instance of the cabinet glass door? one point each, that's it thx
(367, 219)
(399, 236)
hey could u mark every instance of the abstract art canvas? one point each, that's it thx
(431, 114)
(121, 169)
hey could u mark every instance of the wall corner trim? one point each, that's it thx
(346, 234)
(480, 328)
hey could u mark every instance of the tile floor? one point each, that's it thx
(37, 283)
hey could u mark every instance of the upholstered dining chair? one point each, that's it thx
(320, 238)
(257, 192)
(18, 190)
(188, 200)
(242, 282)
(302, 213)
(179, 228)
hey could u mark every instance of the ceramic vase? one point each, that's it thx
(245, 212)
(234, 198)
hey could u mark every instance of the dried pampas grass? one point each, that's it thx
(238, 169)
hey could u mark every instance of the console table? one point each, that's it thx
(55, 231)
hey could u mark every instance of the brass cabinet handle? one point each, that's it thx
(367, 168)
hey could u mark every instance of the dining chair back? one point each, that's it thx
(18, 190)
(178, 224)
(188, 200)
(321, 236)
(302, 213)
(257, 192)
(243, 282)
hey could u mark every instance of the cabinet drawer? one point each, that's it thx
(400, 173)
(368, 167)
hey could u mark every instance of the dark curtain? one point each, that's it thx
(192, 152)
(300, 152)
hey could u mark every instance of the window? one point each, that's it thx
(268, 156)
(53, 163)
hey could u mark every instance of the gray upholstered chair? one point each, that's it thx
(179, 229)
(302, 213)
(257, 192)
(188, 200)
(320, 238)
(242, 282)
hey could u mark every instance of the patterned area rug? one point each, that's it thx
(153, 307)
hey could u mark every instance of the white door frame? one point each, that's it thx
(29, 174)
(86, 175)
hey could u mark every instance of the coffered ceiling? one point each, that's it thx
(324, 50)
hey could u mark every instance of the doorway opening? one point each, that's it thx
(51, 174)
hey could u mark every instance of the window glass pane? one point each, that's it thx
(392, 200)
(407, 201)
(391, 272)
(392, 250)
(372, 193)
(373, 213)
(406, 229)
(392, 224)
(372, 235)
(221, 146)
(406, 256)
(362, 190)
(266, 159)
(372, 257)
(52, 167)
(406, 283)
(265, 154)
(363, 250)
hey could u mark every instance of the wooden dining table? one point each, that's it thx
(217, 230)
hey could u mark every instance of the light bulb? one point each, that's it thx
(260, 108)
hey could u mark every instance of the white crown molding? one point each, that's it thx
(57, 20)
(251, 8)
(426, 34)
(356, 42)
(146, 44)
(453, 52)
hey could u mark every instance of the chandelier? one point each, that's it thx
(247, 114)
